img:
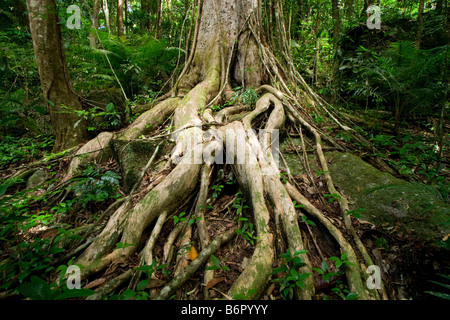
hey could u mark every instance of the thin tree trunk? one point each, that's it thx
(94, 23)
(120, 18)
(106, 13)
(69, 128)
(158, 30)
(336, 24)
(420, 21)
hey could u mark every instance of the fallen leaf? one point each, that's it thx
(155, 283)
(211, 283)
(446, 237)
(192, 253)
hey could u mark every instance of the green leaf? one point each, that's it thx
(447, 286)
(319, 271)
(300, 284)
(215, 261)
(142, 284)
(75, 293)
(36, 289)
(351, 296)
(439, 294)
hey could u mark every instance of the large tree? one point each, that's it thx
(69, 128)
(228, 50)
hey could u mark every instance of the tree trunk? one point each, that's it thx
(94, 23)
(69, 128)
(336, 24)
(228, 50)
(158, 31)
(106, 13)
(420, 24)
(120, 30)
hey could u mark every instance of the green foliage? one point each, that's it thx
(140, 62)
(95, 186)
(244, 296)
(216, 264)
(341, 291)
(338, 261)
(14, 150)
(245, 227)
(249, 97)
(442, 295)
(140, 293)
(355, 213)
(247, 231)
(290, 276)
(238, 204)
(217, 188)
(39, 289)
(332, 197)
(401, 78)
(181, 218)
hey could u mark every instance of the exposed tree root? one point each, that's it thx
(273, 212)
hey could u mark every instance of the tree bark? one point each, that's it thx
(120, 31)
(94, 23)
(69, 128)
(158, 31)
(420, 21)
(336, 24)
(106, 13)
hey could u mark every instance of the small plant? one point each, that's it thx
(140, 293)
(283, 177)
(121, 245)
(382, 243)
(355, 213)
(291, 278)
(338, 261)
(249, 97)
(238, 204)
(94, 186)
(342, 292)
(306, 220)
(318, 118)
(332, 197)
(216, 264)
(182, 218)
(247, 231)
(297, 205)
(179, 218)
(216, 190)
(320, 172)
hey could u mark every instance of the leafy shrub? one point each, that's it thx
(290, 278)
(95, 186)
(13, 150)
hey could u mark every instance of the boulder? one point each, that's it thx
(408, 207)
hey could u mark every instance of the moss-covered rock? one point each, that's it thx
(414, 207)
(37, 178)
(132, 157)
(385, 200)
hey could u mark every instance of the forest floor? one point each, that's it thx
(412, 262)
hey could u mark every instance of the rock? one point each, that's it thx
(417, 208)
(132, 157)
(37, 178)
